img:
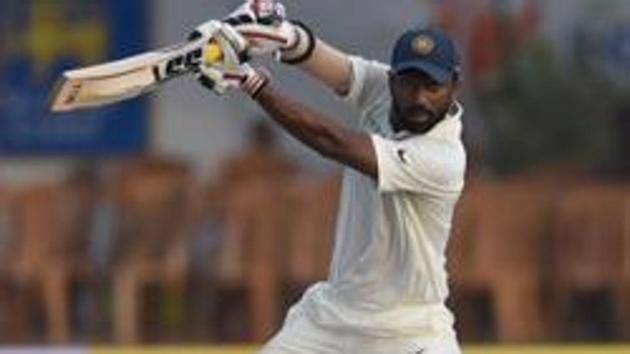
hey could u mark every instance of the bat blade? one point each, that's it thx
(79, 89)
(123, 79)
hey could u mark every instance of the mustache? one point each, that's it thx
(414, 118)
(420, 111)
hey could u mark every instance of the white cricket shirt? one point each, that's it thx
(388, 275)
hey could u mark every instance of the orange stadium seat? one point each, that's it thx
(498, 250)
(625, 295)
(152, 197)
(587, 256)
(12, 322)
(34, 274)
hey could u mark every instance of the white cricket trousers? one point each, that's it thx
(300, 335)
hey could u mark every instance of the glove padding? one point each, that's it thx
(247, 79)
(265, 12)
(263, 23)
(231, 72)
(233, 46)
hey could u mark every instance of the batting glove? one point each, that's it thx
(224, 53)
(249, 80)
(230, 72)
(264, 24)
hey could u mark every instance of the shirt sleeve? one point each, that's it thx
(369, 89)
(419, 164)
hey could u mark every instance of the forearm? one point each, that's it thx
(331, 66)
(319, 59)
(319, 132)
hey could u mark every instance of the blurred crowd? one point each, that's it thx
(144, 253)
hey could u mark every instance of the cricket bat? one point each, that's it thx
(127, 78)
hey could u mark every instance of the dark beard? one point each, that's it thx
(417, 120)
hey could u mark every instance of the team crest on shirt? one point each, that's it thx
(401, 155)
(423, 45)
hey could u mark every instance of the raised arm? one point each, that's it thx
(329, 138)
(295, 44)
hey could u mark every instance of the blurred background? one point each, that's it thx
(185, 218)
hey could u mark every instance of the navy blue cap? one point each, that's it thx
(429, 50)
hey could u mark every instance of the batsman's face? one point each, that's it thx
(418, 101)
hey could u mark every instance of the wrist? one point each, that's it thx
(302, 46)
(256, 82)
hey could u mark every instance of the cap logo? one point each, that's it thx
(423, 45)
